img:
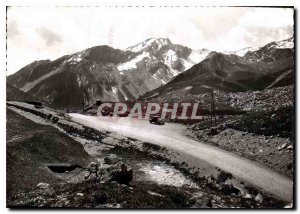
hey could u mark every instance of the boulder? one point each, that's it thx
(111, 159)
(229, 189)
(223, 176)
(45, 189)
(214, 131)
(204, 202)
(122, 176)
(49, 116)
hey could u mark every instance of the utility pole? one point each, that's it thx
(83, 103)
(212, 109)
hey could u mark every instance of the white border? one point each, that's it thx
(4, 3)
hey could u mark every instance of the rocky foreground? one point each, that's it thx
(54, 177)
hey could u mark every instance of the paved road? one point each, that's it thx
(171, 136)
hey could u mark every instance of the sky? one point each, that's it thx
(36, 33)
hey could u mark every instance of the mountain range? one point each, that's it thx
(269, 66)
(152, 68)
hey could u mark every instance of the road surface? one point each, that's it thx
(171, 136)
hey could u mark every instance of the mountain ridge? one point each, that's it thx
(108, 74)
(104, 73)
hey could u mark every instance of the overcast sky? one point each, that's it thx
(36, 33)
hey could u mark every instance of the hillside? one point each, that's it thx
(104, 73)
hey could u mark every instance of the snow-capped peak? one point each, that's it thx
(156, 43)
(283, 44)
(241, 52)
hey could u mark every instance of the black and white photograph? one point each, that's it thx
(150, 107)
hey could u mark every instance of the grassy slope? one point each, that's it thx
(30, 147)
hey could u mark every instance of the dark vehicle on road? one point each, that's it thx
(157, 120)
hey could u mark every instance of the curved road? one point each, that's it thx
(170, 135)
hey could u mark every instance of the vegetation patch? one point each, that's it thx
(279, 122)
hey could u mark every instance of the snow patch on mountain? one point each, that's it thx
(154, 76)
(174, 72)
(241, 52)
(186, 64)
(188, 88)
(132, 63)
(114, 90)
(79, 81)
(284, 44)
(77, 57)
(123, 93)
(170, 57)
(197, 56)
(149, 42)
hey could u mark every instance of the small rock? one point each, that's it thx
(283, 146)
(67, 202)
(154, 193)
(259, 198)
(289, 206)
(43, 185)
(114, 182)
(217, 198)
(100, 198)
(229, 189)
(55, 119)
(80, 194)
(290, 147)
(247, 196)
(290, 165)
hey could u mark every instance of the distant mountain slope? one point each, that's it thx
(272, 52)
(257, 70)
(104, 73)
(15, 94)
